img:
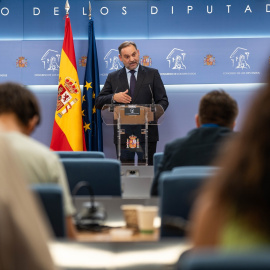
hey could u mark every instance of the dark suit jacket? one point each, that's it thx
(199, 147)
(117, 82)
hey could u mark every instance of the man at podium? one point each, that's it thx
(134, 84)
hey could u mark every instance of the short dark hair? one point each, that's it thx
(126, 44)
(15, 98)
(218, 107)
(243, 183)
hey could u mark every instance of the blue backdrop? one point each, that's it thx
(197, 45)
(189, 41)
(179, 61)
(156, 19)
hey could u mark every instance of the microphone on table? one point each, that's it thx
(92, 214)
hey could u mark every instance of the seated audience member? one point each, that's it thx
(232, 212)
(23, 235)
(19, 115)
(215, 121)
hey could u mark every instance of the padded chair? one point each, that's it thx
(156, 160)
(177, 194)
(51, 199)
(80, 154)
(102, 174)
(214, 260)
(194, 169)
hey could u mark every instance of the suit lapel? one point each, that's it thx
(140, 78)
(123, 80)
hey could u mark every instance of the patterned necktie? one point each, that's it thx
(132, 82)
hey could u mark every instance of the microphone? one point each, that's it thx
(153, 102)
(92, 214)
(112, 104)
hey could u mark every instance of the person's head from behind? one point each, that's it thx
(217, 107)
(243, 184)
(129, 54)
(19, 106)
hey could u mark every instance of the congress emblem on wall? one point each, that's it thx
(51, 60)
(209, 60)
(176, 59)
(112, 60)
(146, 61)
(21, 62)
(239, 58)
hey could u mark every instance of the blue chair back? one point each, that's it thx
(80, 154)
(214, 260)
(194, 169)
(177, 194)
(102, 174)
(156, 160)
(51, 199)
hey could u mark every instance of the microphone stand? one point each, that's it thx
(153, 102)
(112, 103)
(92, 198)
(89, 219)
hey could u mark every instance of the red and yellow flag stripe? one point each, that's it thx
(68, 126)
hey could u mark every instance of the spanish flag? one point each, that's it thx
(68, 126)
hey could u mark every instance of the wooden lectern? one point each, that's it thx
(131, 126)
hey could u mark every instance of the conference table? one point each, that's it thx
(120, 234)
(117, 231)
(162, 254)
(110, 250)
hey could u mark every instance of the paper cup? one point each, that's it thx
(130, 215)
(146, 217)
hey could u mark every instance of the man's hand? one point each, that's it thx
(122, 97)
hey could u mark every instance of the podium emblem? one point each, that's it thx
(133, 142)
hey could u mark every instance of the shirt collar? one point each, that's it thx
(136, 69)
(209, 125)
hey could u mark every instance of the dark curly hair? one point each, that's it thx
(15, 98)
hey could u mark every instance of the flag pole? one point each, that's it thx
(90, 11)
(67, 7)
